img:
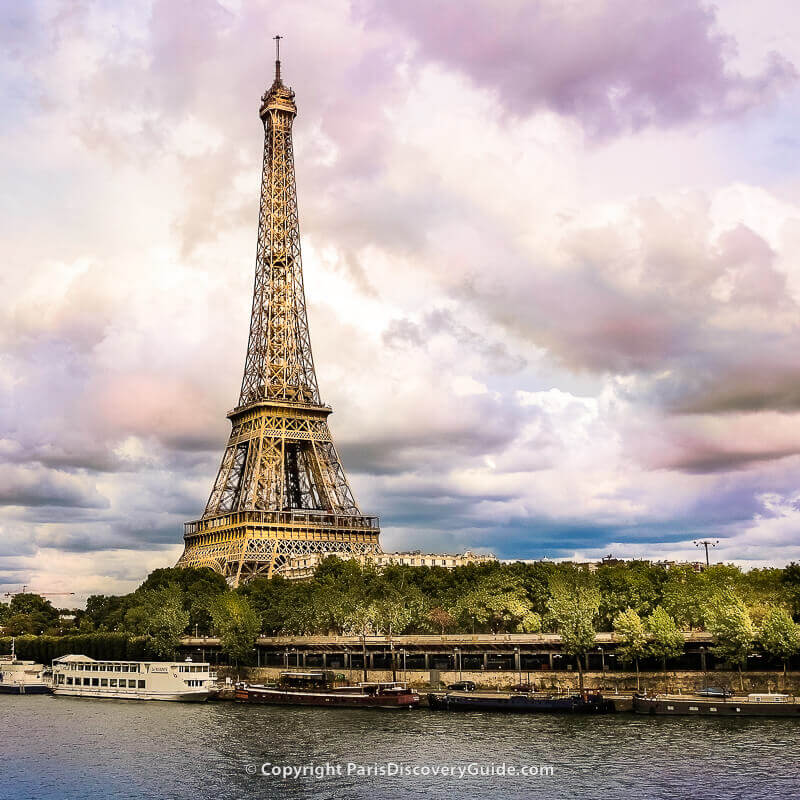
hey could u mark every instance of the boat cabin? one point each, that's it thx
(315, 679)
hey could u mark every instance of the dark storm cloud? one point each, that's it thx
(21, 486)
(476, 425)
(753, 384)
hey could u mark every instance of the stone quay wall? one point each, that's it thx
(623, 682)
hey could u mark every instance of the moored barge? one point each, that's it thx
(752, 705)
(320, 688)
(22, 677)
(521, 703)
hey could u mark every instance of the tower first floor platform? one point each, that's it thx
(244, 544)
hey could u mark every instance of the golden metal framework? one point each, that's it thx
(281, 490)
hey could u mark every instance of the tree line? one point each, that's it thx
(648, 606)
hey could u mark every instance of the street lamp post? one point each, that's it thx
(703, 666)
(602, 661)
(518, 665)
(706, 543)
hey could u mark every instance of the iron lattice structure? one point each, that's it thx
(281, 490)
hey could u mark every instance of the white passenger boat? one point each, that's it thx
(81, 676)
(22, 677)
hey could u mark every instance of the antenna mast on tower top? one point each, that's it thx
(277, 39)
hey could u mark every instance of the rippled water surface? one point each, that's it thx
(72, 748)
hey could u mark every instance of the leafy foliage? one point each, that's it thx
(665, 638)
(237, 625)
(29, 614)
(160, 616)
(728, 620)
(779, 635)
(493, 597)
(573, 607)
(632, 645)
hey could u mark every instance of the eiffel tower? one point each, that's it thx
(281, 490)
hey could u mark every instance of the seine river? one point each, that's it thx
(94, 750)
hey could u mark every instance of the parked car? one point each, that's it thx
(715, 692)
(462, 686)
(523, 687)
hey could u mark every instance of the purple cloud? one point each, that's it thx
(612, 64)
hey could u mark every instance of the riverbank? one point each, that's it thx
(561, 680)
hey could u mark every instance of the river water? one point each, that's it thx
(98, 749)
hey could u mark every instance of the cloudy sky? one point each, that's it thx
(552, 257)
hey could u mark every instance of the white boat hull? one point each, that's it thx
(189, 696)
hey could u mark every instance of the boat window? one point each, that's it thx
(87, 681)
(112, 681)
(95, 681)
(141, 684)
(104, 681)
(69, 680)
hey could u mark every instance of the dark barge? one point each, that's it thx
(521, 703)
(753, 705)
(321, 688)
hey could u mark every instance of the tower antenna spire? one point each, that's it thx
(277, 39)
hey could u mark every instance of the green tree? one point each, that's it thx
(683, 594)
(765, 587)
(198, 587)
(361, 621)
(237, 624)
(790, 581)
(728, 621)
(21, 625)
(159, 614)
(274, 599)
(30, 613)
(573, 606)
(632, 642)
(498, 602)
(630, 584)
(665, 639)
(396, 609)
(778, 635)
(105, 612)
